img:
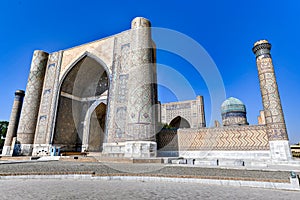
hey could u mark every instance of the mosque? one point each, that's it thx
(102, 97)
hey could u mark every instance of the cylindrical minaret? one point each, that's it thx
(141, 109)
(141, 104)
(30, 109)
(13, 123)
(276, 128)
(200, 104)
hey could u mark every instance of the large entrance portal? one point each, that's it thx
(100, 96)
(81, 114)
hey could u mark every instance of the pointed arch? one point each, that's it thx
(87, 124)
(78, 59)
(180, 122)
(84, 82)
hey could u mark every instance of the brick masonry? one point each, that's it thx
(246, 138)
(59, 95)
(192, 111)
(30, 109)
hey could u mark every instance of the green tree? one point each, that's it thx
(165, 126)
(3, 130)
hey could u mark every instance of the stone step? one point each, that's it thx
(78, 158)
(15, 158)
(148, 160)
(113, 159)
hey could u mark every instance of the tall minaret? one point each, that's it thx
(141, 112)
(141, 115)
(132, 109)
(276, 128)
(30, 109)
(13, 123)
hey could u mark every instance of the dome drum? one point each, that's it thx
(233, 112)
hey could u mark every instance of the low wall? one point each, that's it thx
(235, 138)
(249, 142)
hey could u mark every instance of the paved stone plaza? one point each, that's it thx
(98, 189)
(60, 167)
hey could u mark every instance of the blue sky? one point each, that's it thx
(226, 29)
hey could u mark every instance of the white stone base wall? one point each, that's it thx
(130, 149)
(253, 155)
(26, 149)
(6, 151)
(9, 150)
(140, 149)
(116, 149)
(280, 150)
(41, 150)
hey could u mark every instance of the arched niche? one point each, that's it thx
(179, 122)
(85, 83)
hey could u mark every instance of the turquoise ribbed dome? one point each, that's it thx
(233, 105)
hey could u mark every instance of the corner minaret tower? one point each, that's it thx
(8, 147)
(132, 126)
(141, 115)
(276, 128)
(30, 109)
